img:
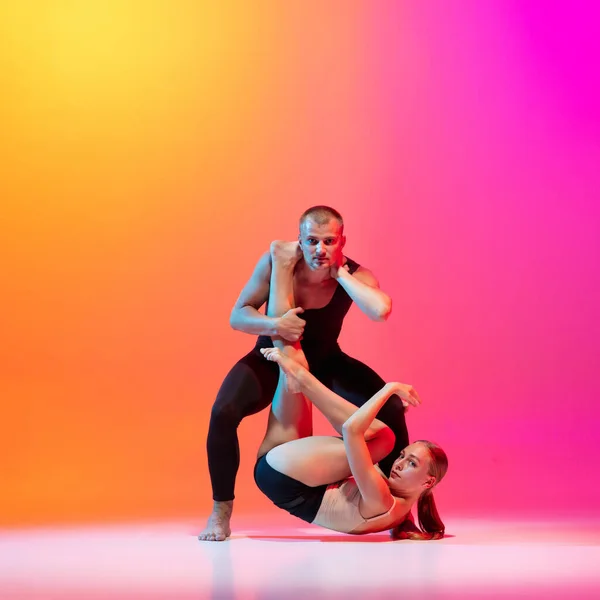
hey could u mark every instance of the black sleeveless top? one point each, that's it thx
(323, 325)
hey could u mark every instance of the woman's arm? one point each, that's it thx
(373, 489)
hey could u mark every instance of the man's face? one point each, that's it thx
(321, 244)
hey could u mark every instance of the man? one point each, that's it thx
(325, 285)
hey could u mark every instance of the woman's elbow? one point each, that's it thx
(349, 428)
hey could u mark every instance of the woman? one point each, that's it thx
(329, 481)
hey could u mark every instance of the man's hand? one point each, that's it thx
(340, 263)
(290, 326)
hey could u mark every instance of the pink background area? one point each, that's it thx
(151, 152)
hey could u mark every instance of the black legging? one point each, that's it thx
(249, 388)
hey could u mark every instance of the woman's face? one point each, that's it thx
(410, 471)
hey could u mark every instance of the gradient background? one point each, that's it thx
(151, 150)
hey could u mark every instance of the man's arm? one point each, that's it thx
(246, 317)
(363, 288)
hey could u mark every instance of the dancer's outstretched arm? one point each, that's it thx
(361, 418)
(374, 491)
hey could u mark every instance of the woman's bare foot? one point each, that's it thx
(218, 528)
(288, 365)
(287, 254)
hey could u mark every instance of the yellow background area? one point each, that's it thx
(149, 153)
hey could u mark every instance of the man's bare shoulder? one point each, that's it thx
(263, 264)
(366, 276)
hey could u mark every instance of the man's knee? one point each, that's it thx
(395, 405)
(225, 414)
(392, 414)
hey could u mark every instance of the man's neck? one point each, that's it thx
(311, 277)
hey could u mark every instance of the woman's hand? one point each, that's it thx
(406, 392)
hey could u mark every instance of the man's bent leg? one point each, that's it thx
(356, 382)
(247, 389)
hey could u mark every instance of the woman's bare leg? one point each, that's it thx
(321, 460)
(290, 416)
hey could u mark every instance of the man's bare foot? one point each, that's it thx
(217, 528)
(287, 254)
(288, 365)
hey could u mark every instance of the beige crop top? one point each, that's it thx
(340, 509)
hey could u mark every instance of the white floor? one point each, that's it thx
(480, 559)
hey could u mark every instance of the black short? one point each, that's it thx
(297, 498)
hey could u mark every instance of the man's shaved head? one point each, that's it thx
(321, 214)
